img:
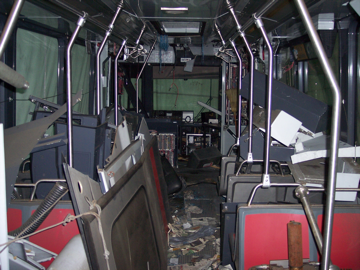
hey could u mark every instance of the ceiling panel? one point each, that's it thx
(138, 12)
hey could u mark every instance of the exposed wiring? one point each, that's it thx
(223, 53)
(136, 51)
(39, 217)
(26, 99)
(174, 84)
(287, 68)
(163, 46)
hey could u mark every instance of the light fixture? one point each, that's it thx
(174, 8)
(181, 27)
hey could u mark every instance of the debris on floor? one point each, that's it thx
(188, 195)
(199, 264)
(194, 236)
(203, 221)
(200, 233)
(193, 209)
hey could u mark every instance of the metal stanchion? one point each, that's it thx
(98, 73)
(80, 23)
(335, 129)
(116, 119)
(138, 77)
(266, 176)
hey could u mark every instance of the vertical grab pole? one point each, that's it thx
(116, 83)
(251, 99)
(138, 77)
(266, 176)
(98, 77)
(10, 24)
(80, 23)
(239, 91)
(221, 37)
(335, 129)
(141, 33)
(251, 96)
(223, 105)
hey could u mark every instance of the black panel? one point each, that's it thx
(277, 152)
(148, 89)
(135, 228)
(311, 112)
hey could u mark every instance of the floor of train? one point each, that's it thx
(196, 221)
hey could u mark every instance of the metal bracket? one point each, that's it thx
(250, 158)
(271, 185)
(266, 180)
(258, 21)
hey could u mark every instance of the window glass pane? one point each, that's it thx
(36, 60)
(183, 95)
(105, 81)
(318, 85)
(32, 12)
(80, 65)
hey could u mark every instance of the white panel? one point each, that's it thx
(4, 256)
(284, 128)
(346, 180)
(319, 148)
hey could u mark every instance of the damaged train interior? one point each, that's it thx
(179, 134)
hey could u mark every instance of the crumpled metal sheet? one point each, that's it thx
(20, 140)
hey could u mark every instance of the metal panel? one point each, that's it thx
(20, 140)
(277, 152)
(239, 188)
(228, 229)
(227, 168)
(311, 112)
(350, 103)
(132, 218)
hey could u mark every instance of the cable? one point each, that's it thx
(287, 68)
(171, 86)
(37, 218)
(26, 99)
